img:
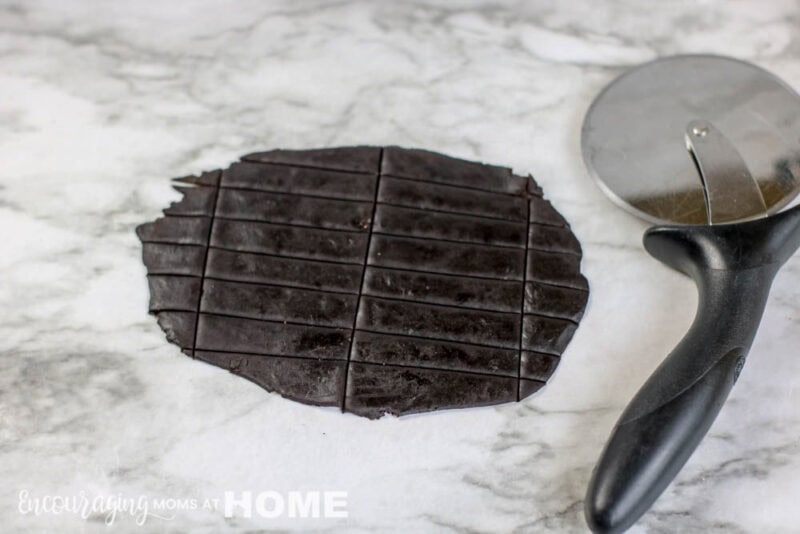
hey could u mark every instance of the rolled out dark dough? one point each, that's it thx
(378, 280)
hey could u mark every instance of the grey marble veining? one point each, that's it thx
(102, 102)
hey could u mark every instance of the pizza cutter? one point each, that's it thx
(709, 148)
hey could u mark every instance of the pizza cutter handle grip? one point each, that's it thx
(733, 266)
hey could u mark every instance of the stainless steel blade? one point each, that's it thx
(633, 140)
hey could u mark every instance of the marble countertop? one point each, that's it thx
(102, 102)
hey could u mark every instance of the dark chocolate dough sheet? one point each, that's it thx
(377, 280)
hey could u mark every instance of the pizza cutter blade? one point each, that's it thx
(710, 145)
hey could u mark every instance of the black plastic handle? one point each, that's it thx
(733, 266)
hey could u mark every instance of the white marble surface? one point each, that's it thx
(102, 102)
